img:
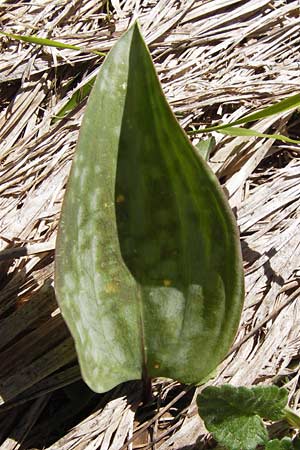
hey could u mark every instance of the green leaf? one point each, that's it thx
(48, 43)
(292, 417)
(233, 414)
(296, 443)
(237, 131)
(74, 101)
(285, 105)
(205, 147)
(148, 267)
(285, 443)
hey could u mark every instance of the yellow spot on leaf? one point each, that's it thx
(111, 288)
(167, 283)
(120, 198)
(156, 366)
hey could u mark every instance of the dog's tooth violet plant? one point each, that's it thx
(148, 268)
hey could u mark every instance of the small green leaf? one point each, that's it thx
(292, 417)
(74, 101)
(233, 414)
(285, 443)
(205, 147)
(148, 267)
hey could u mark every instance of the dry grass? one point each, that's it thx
(216, 59)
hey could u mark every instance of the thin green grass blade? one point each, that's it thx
(287, 104)
(49, 42)
(78, 96)
(148, 268)
(237, 131)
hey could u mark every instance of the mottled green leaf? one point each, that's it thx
(148, 266)
(233, 414)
